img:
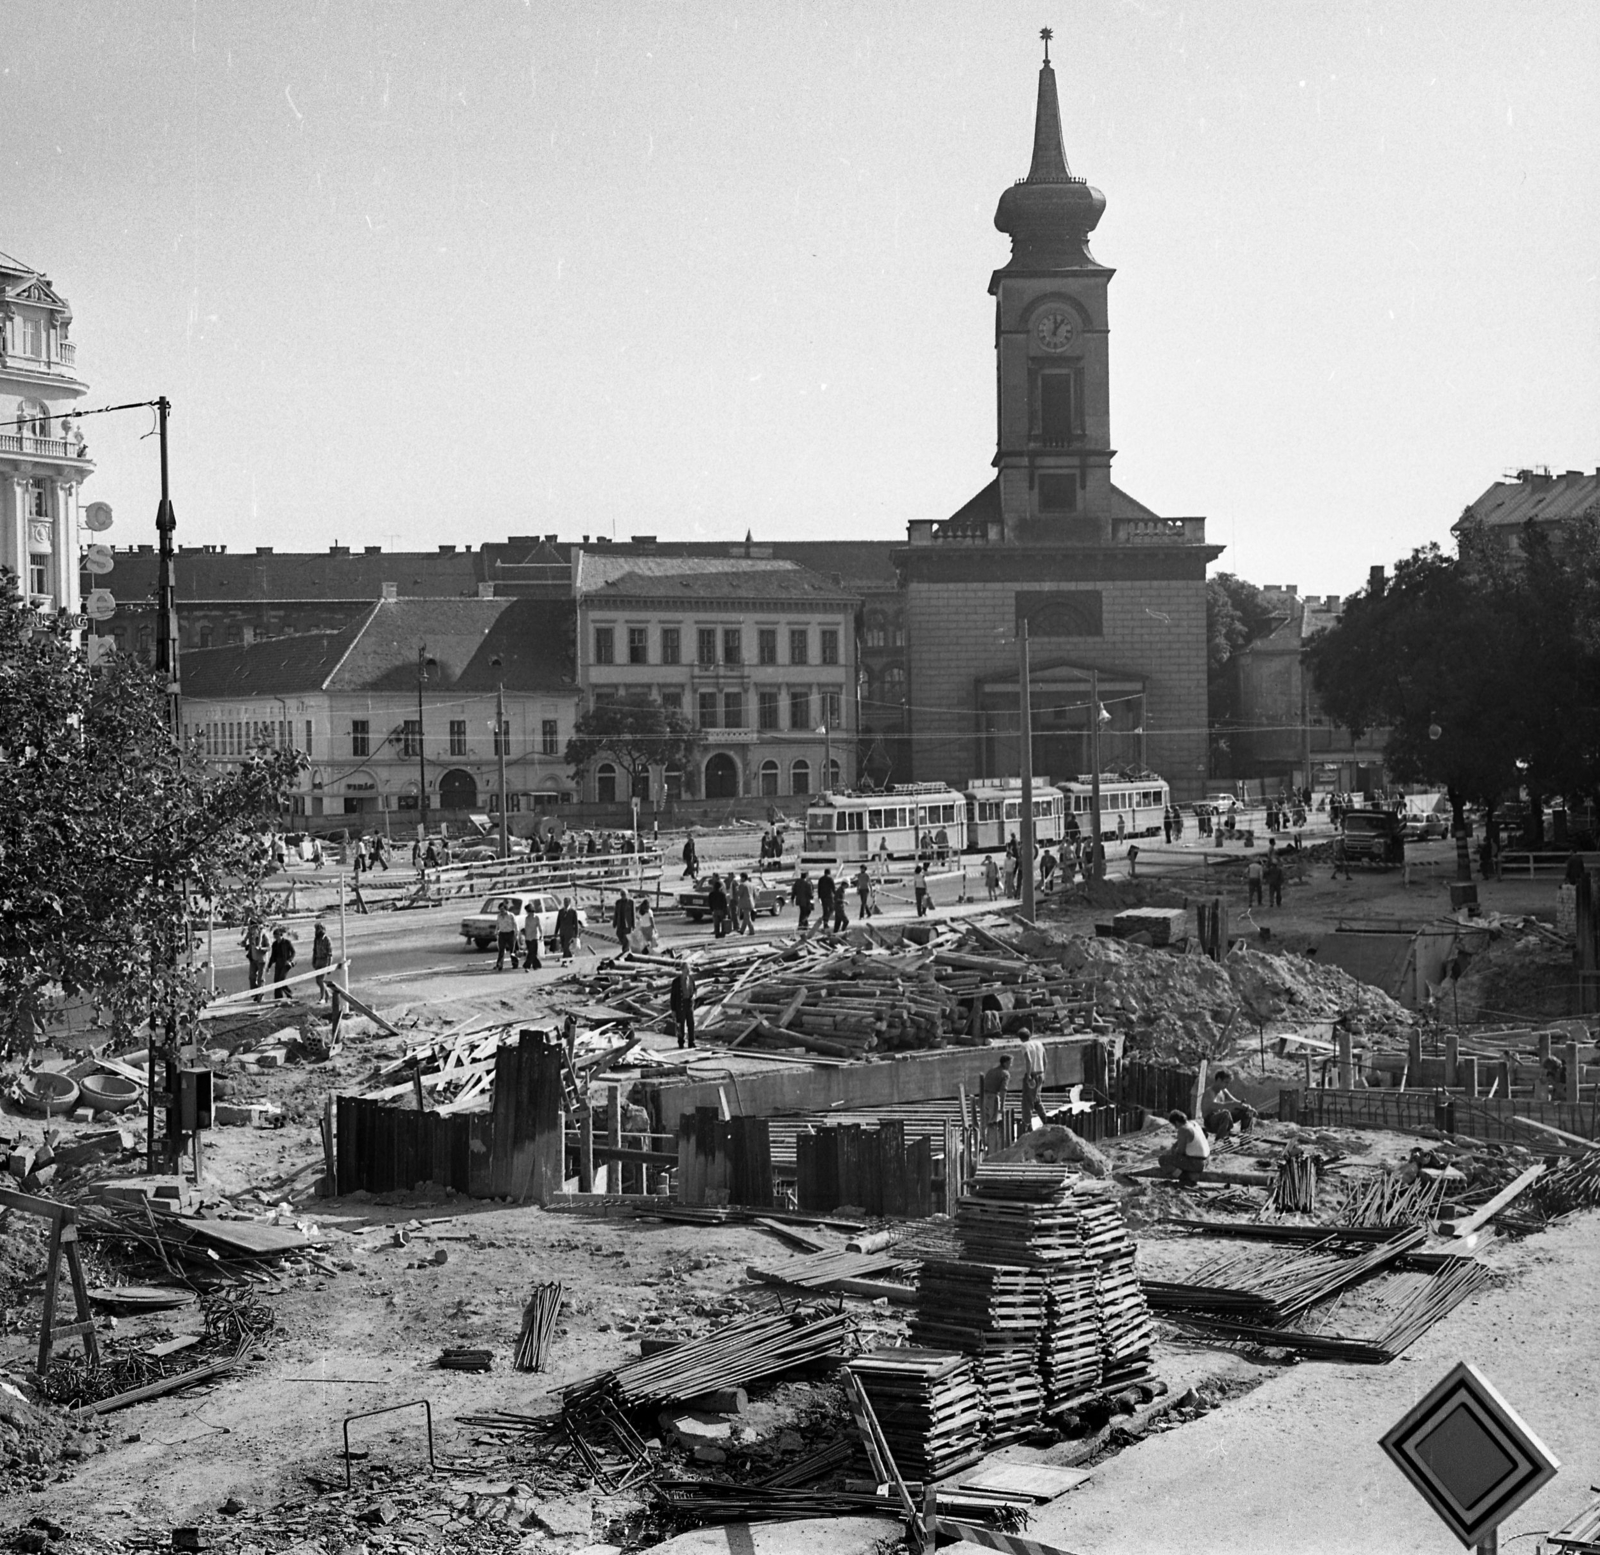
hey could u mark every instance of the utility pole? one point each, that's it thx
(1097, 863)
(422, 760)
(166, 587)
(1025, 697)
(500, 745)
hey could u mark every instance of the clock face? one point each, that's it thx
(1056, 329)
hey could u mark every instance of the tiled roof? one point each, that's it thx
(724, 583)
(533, 638)
(220, 575)
(597, 569)
(1546, 498)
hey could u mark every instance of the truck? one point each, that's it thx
(1374, 837)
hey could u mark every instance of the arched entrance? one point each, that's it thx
(722, 777)
(458, 790)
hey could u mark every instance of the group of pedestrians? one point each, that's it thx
(274, 951)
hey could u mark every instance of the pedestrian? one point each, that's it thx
(991, 876)
(1254, 876)
(430, 857)
(256, 943)
(1033, 1065)
(1122, 828)
(1011, 873)
(1190, 1150)
(992, 1091)
(568, 930)
(826, 889)
(647, 926)
(1166, 824)
(919, 886)
(416, 854)
(717, 901)
(691, 859)
(1177, 822)
(321, 957)
(281, 957)
(863, 885)
(841, 918)
(532, 934)
(505, 936)
(1069, 868)
(623, 919)
(1341, 859)
(1274, 878)
(680, 1001)
(318, 857)
(380, 852)
(744, 907)
(883, 855)
(1133, 860)
(804, 895)
(1047, 869)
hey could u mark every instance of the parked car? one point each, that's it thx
(535, 913)
(1425, 828)
(1221, 803)
(768, 898)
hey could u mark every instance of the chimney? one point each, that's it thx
(486, 591)
(391, 591)
(1376, 582)
(372, 550)
(447, 550)
(338, 550)
(263, 550)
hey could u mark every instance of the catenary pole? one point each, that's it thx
(1025, 695)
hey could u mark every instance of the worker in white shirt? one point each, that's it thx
(1190, 1150)
(1032, 1079)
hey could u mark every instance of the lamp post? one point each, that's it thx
(423, 661)
(826, 731)
(1097, 858)
(1025, 698)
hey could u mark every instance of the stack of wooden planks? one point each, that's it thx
(928, 1405)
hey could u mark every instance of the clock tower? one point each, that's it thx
(1054, 445)
(1110, 596)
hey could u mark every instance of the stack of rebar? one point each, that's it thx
(728, 1357)
(928, 1405)
(538, 1326)
(461, 1359)
(1575, 1184)
(1295, 1191)
(1389, 1200)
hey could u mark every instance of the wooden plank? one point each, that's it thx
(1037, 1481)
(1488, 1211)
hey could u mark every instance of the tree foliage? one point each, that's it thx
(634, 732)
(1237, 613)
(109, 834)
(1485, 666)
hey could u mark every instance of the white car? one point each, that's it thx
(1222, 802)
(535, 914)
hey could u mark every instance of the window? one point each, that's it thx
(733, 710)
(875, 635)
(767, 718)
(605, 783)
(897, 634)
(33, 340)
(549, 737)
(39, 493)
(799, 709)
(411, 737)
(458, 737)
(830, 709)
(672, 702)
(38, 575)
(706, 645)
(769, 779)
(605, 694)
(835, 783)
(830, 645)
(800, 778)
(894, 685)
(1055, 408)
(638, 650)
(732, 645)
(708, 710)
(605, 649)
(1058, 493)
(308, 737)
(1063, 613)
(798, 642)
(235, 635)
(671, 645)
(502, 739)
(767, 648)
(205, 636)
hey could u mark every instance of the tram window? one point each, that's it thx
(875, 819)
(922, 815)
(858, 819)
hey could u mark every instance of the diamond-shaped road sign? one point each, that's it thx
(1469, 1453)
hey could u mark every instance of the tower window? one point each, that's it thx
(1056, 407)
(1058, 493)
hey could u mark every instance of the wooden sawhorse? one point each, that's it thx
(63, 1220)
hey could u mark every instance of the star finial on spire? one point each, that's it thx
(1047, 35)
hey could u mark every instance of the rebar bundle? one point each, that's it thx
(1575, 1184)
(1295, 1191)
(538, 1326)
(1389, 1200)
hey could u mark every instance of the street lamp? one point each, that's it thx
(827, 755)
(500, 746)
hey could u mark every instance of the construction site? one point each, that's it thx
(459, 1262)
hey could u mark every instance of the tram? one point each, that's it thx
(908, 821)
(1138, 803)
(994, 812)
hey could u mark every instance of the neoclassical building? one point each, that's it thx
(1103, 583)
(43, 458)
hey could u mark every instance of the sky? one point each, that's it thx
(434, 273)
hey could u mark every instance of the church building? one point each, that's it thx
(1100, 581)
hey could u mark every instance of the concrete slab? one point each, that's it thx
(836, 1535)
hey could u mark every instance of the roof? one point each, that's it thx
(1539, 496)
(283, 575)
(533, 639)
(718, 580)
(597, 569)
(984, 507)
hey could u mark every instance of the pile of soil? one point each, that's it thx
(1514, 976)
(1186, 1006)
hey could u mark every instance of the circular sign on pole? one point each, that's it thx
(101, 605)
(98, 560)
(97, 516)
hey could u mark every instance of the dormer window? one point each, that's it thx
(33, 337)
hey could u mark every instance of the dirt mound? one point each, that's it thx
(1186, 1006)
(1515, 976)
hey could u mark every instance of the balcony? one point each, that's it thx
(925, 531)
(29, 447)
(1159, 531)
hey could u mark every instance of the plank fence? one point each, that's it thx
(877, 1169)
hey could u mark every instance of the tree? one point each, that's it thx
(636, 733)
(1484, 665)
(1237, 613)
(109, 833)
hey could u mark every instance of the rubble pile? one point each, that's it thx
(1188, 1004)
